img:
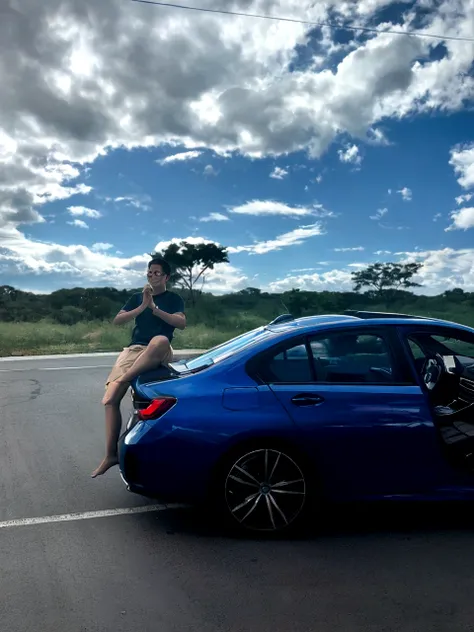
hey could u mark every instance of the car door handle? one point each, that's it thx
(307, 399)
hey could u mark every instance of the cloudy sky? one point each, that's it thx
(307, 151)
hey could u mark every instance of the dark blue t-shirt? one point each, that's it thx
(147, 325)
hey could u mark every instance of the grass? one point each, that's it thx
(47, 337)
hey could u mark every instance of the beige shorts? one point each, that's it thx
(126, 359)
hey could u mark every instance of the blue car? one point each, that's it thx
(350, 407)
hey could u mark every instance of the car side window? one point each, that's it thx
(423, 343)
(351, 358)
(456, 346)
(289, 365)
(417, 351)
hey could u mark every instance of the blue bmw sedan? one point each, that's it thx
(357, 406)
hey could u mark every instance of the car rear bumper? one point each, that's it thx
(157, 465)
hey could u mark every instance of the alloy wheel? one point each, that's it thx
(265, 490)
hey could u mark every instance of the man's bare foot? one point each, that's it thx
(107, 463)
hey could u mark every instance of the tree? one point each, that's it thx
(191, 262)
(456, 295)
(69, 315)
(380, 277)
(296, 302)
(250, 291)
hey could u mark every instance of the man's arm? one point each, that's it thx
(177, 318)
(129, 312)
(125, 317)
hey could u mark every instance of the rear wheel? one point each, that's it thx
(265, 489)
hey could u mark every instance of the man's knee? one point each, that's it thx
(159, 345)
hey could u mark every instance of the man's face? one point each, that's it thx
(156, 277)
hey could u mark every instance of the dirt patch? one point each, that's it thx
(93, 336)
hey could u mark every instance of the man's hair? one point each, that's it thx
(159, 261)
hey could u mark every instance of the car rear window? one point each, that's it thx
(228, 348)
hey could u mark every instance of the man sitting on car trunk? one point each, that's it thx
(157, 313)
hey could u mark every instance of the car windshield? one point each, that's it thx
(228, 348)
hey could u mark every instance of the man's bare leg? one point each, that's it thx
(151, 358)
(113, 424)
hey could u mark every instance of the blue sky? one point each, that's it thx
(307, 154)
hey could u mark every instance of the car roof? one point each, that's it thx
(310, 321)
(307, 323)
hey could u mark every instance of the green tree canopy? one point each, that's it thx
(380, 277)
(191, 262)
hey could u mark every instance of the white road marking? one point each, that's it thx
(59, 356)
(101, 354)
(57, 368)
(88, 515)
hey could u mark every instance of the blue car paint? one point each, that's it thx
(176, 454)
(367, 442)
(360, 431)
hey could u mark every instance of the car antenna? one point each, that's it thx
(284, 306)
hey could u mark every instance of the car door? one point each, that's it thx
(456, 346)
(362, 415)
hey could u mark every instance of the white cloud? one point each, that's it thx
(77, 211)
(406, 194)
(209, 171)
(462, 160)
(442, 269)
(293, 238)
(318, 179)
(67, 265)
(180, 157)
(270, 207)
(79, 223)
(437, 217)
(379, 214)
(391, 227)
(461, 199)
(332, 280)
(101, 246)
(83, 82)
(128, 76)
(162, 245)
(214, 217)
(463, 219)
(382, 252)
(350, 154)
(63, 266)
(354, 249)
(141, 202)
(224, 278)
(278, 173)
(377, 137)
(320, 211)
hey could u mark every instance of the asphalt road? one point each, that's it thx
(410, 570)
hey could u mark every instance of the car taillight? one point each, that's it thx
(156, 409)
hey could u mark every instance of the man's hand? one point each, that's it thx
(147, 300)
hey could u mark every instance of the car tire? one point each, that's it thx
(263, 489)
